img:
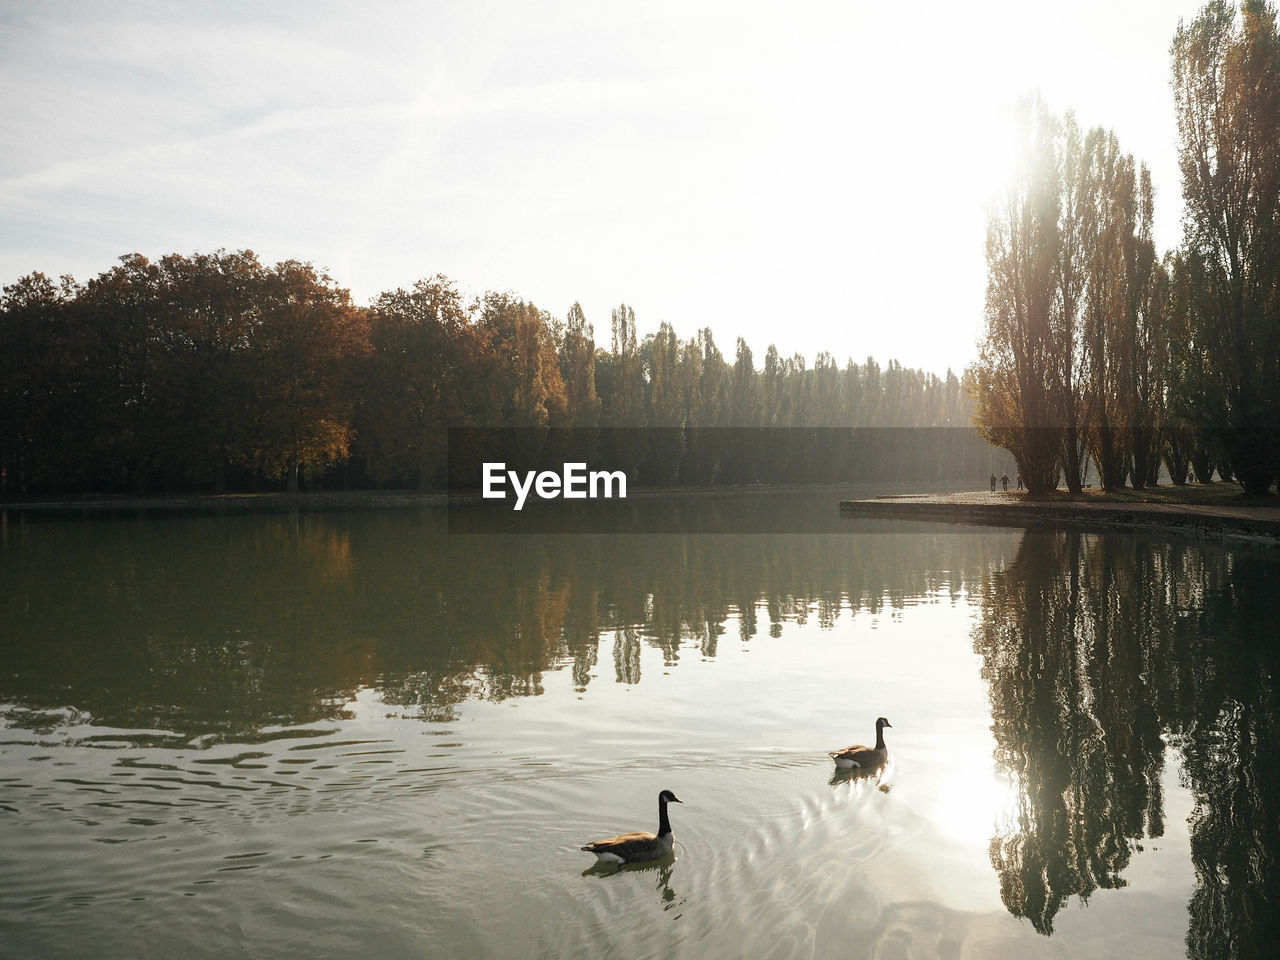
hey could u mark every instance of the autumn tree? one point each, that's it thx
(1226, 85)
(41, 412)
(1190, 405)
(667, 402)
(1071, 277)
(829, 446)
(744, 412)
(624, 404)
(1015, 377)
(426, 373)
(118, 320)
(668, 406)
(1109, 342)
(1074, 356)
(524, 362)
(203, 358)
(310, 336)
(709, 380)
(1148, 328)
(528, 365)
(577, 369)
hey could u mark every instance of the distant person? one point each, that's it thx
(1019, 481)
(1004, 482)
(993, 483)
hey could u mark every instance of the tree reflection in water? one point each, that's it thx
(1097, 650)
(1100, 653)
(1231, 753)
(223, 625)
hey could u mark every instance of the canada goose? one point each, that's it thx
(865, 757)
(639, 846)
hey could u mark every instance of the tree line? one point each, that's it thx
(1099, 349)
(218, 372)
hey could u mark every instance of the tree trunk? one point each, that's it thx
(1072, 461)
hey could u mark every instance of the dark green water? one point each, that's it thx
(331, 734)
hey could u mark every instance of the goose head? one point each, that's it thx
(666, 796)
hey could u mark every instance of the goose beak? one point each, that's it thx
(676, 799)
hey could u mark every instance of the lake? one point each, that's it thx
(352, 733)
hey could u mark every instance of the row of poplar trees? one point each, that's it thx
(218, 372)
(1096, 347)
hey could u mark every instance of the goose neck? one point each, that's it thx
(664, 825)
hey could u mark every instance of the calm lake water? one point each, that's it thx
(350, 733)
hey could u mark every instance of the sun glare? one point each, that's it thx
(971, 807)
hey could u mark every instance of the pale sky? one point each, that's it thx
(802, 173)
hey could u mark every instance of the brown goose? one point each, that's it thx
(639, 846)
(865, 757)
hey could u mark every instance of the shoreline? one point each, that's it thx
(1223, 521)
(1230, 518)
(220, 502)
(377, 499)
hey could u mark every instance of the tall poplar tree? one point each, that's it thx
(1072, 271)
(1015, 378)
(1226, 85)
(1108, 335)
(578, 369)
(626, 402)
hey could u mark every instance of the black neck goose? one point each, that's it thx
(638, 847)
(864, 757)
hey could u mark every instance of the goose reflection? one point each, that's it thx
(863, 778)
(607, 868)
(661, 870)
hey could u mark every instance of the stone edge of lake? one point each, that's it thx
(1259, 524)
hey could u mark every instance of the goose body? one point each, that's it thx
(639, 846)
(864, 757)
